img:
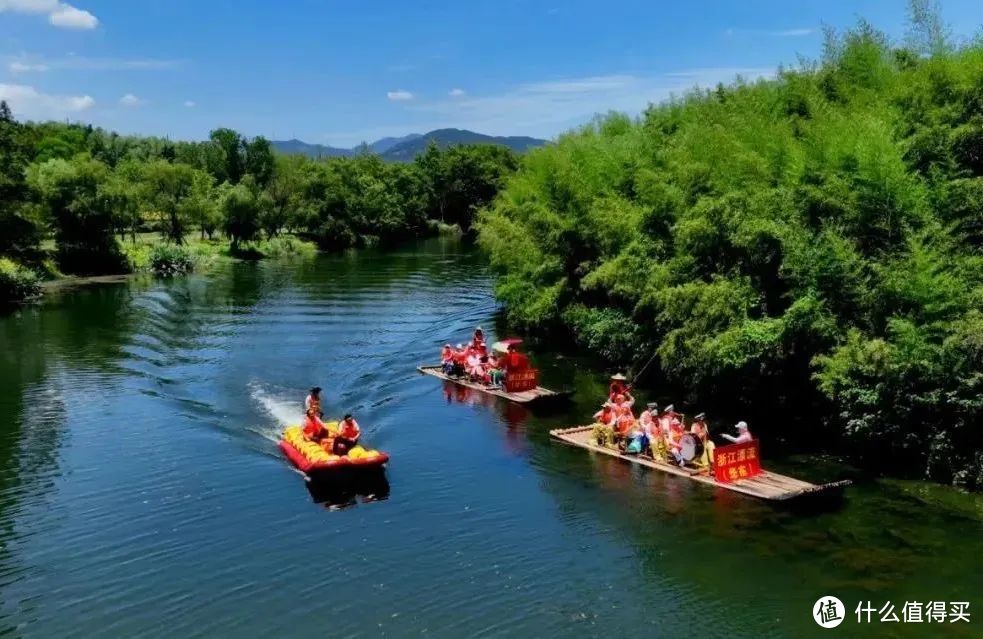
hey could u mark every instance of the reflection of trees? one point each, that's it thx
(76, 338)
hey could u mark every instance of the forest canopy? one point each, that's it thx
(805, 249)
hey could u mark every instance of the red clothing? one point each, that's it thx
(313, 427)
(516, 361)
(616, 388)
(350, 430)
(446, 355)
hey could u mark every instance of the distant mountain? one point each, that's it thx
(406, 148)
(383, 145)
(296, 147)
(406, 151)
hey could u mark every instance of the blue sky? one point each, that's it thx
(339, 72)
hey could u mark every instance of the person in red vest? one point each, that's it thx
(618, 386)
(348, 434)
(460, 359)
(478, 341)
(314, 429)
(447, 359)
(515, 361)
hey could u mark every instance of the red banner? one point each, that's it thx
(737, 461)
(516, 382)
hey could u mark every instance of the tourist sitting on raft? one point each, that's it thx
(662, 435)
(475, 362)
(615, 420)
(348, 434)
(314, 428)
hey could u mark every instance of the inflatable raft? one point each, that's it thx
(310, 457)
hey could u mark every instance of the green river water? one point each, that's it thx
(142, 492)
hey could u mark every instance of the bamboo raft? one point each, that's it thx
(767, 485)
(534, 395)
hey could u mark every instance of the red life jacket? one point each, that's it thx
(350, 430)
(312, 427)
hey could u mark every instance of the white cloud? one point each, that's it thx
(399, 95)
(190, 104)
(23, 67)
(29, 103)
(68, 17)
(457, 93)
(130, 100)
(548, 107)
(60, 14)
(73, 62)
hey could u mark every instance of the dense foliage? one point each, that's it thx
(83, 186)
(798, 248)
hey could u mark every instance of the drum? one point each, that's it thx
(692, 447)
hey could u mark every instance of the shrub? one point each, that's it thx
(170, 259)
(16, 282)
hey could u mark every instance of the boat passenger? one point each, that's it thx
(701, 430)
(618, 386)
(348, 434)
(313, 400)
(475, 370)
(515, 361)
(478, 341)
(493, 370)
(314, 429)
(460, 360)
(606, 415)
(743, 434)
(623, 403)
(666, 418)
(447, 359)
(674, 442)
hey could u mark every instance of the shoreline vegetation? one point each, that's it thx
(806, 249)
(79, 201)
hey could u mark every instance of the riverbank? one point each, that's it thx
(147, 254)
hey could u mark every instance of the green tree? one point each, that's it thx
(231, 146)
(166, 187)
(82, 215)
(240, 211)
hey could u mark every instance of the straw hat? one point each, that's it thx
(618, 377)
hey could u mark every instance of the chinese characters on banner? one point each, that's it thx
(516, 382)
(737, 461)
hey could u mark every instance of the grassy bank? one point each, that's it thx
(147, 253)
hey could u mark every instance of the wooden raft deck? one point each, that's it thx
(767, 485)
(525, 397)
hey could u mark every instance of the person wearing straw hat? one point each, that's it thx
(618, 386)
(743, 434)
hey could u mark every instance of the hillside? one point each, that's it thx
(404, 149)
(297, 147)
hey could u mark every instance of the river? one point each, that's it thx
(142, 492)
